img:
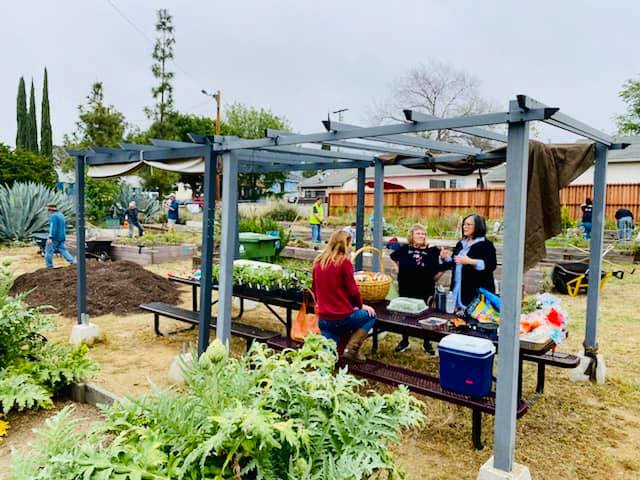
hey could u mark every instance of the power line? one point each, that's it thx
(151, 41)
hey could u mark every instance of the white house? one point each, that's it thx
(395, 176)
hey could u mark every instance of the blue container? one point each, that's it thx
(466, 364)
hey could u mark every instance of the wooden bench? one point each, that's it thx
(557, 359)
(416, 382)
(248, 332)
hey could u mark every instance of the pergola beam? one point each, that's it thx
(413, 116)
(319, 153)
(409, 140)
(566, 122)
(220, 144)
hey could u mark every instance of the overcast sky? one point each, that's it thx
(302, 58)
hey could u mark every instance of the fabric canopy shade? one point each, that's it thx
(113, 170)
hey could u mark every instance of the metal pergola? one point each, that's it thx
(280, 151)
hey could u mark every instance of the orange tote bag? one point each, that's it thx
(305, 323)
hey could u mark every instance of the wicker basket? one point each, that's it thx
(373, 290)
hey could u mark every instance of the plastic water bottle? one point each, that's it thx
(451, 303)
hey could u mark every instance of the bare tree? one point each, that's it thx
(440, 90)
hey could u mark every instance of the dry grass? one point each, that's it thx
(575, 431)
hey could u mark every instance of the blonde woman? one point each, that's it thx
(419, 267)
(340, 307)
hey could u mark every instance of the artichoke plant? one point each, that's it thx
(23, 209)
(149, 206)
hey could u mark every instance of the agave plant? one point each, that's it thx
(150, 206)
(23, 209)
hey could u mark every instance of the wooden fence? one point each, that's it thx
(431, 203)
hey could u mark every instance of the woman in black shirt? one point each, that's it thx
(419, 267)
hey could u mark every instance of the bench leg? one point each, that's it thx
(156, 325)
(476, 429)
(289, 322)
(194, 298)
(239, 316)
(520, 365)
(374, 340)
(540, 382)
(249, 343)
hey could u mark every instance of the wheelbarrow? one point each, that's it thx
(99, 249)
(572, 278)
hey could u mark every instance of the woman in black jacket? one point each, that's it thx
(473, 261)
(419, 267)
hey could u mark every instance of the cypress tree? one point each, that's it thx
(32, 123)
(46, 141)
(22, 117)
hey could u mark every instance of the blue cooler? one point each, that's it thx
(466, 364)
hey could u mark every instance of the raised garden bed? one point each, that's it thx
(143, 255)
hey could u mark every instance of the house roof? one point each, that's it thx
(631, 154)
(337, 178)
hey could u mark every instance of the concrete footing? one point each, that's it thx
(88, 334)
(489, 472)
(589, 368)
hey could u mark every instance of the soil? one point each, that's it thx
(112, 287)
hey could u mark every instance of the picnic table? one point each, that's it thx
(267, 299)
(418, 382)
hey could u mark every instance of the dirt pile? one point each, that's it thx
(112, 287)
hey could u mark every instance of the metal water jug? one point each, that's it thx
(440, 299)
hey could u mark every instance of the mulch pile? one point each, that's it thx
(112, 287)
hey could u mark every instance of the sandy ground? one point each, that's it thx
(575, 431)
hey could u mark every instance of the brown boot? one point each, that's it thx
(352, 350)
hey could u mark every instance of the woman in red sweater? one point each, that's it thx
(340, 307)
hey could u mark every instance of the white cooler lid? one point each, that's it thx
(467, 343)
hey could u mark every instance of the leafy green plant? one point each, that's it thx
(20, 392)
(566, 220)
(282, 212)
(23, 209)
(32, 370)
(264, 416)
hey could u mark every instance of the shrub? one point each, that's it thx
(264, 416)
(282, 212)
(23, 210)
(566, 221)
(262, 224)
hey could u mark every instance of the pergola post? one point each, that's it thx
(206, 260)
(360, 199)
(227, 244)
(595, 262)
(512, 271)
(80, 244)
(378, 211)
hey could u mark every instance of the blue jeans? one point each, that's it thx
(625, 228)
(587, 230)
(140, 229)
(335, 329)
(57, 247)
(315, 233)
